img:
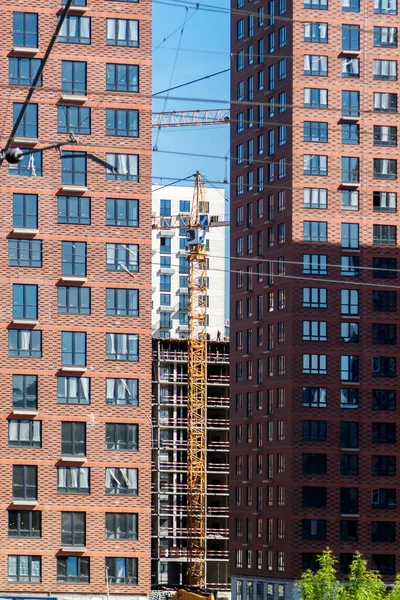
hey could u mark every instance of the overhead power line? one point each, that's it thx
(190, 82)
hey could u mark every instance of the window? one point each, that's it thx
(350, 37)
(282, 69)
(122, 570)
(25, 211)
(350, 104)
(73, 390)
(316, 33)
(384, 102)
(122, 167)
(29, 166)
(73, 480)
(122, 78)
(315, 131)
(383, 301)
(314, 364)
(282, 36)
(348, 531)
(122, 346)
(315, 331)
(73, 348)
(122, 302)
(314, 529)
(73, 569)
(350, 133)
(121, 526)
(349, 465)
(315, 164)
(315, 198)
(240, 29)
(350, 67)
(350, 199)
(315, 297)
(74, 78)
(122, 392)
(25, 29)
(24, 482)
(350, 169)
(385, 136)
(73, 300)
(314, 431)
(349, 332)
(24, 523)
(25, 301)
(350, 266)
(314, 497)
(315, 98)
(22, 71)
(383, 531)
(385, 7)
(315, 264)
(76, 119)
(350, 5)
(73, 529)
(315, 65)
(73, 168)
(29, 124)
(24, 569)
(349, 398)
(385, 37)
(383, 333)
(384, 201)
(24, 433)
(314, 397)
(73, 439)
(121, 481)
(383, 366)
(73, 209)
(25, 343)
(121, 257)
(74, 258)
(384, 235)
(349, 501)
(350, 235)
(383, 498)
(349, 302)
(121, 122)
(383, 433)
(383, 465)
(384, 268)
(383, 399)
(122, 32)
(349, 434)
(316, 4)
(121, 436)
(314, 464)
(349, 367)
(75, 30)
(315, 231)
(385, 70)
(24, 391)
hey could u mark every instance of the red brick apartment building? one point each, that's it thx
(75, 316)
(314, 454)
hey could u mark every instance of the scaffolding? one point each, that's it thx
(170, 533)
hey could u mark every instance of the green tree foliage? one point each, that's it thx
(362, 583)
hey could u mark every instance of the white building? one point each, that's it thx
(170, 267)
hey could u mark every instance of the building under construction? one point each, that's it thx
(169, 531)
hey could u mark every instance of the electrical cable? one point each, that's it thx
(190, 82)
(185, 22)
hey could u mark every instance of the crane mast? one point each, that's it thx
(197, 393)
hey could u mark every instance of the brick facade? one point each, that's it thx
(48, 368)
(269, 545)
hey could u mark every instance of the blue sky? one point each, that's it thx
(204, 50)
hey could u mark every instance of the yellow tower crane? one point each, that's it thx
(196, 226)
